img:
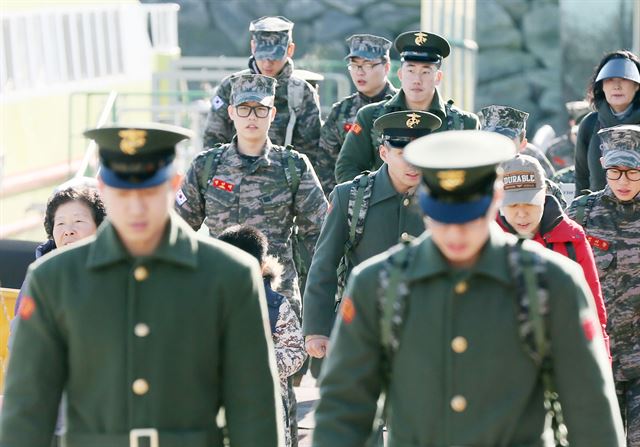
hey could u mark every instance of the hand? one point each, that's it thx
(316, 345)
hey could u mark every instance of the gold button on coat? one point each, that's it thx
(461, 287)
(141, 330)
(406, 202)
(405, 236)
(140, 387)
(458, 404)
(141, 273)
(459, 344)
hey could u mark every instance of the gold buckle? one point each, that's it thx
(138, 433)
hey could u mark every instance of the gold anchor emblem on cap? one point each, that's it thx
(132, 140)
(450, 180)
(421, 38)
(413, 121)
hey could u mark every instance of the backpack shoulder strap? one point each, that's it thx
(583, 208)
(290, 169)
(211, 166)
(357, 208)
(295, 97)
(454, 120)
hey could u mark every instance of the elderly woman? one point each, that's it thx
(614, 92)
(72, 214)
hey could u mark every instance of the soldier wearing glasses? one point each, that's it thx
(611, 219)
(421, 55)
(369, 66)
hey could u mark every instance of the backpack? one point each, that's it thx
(295, 97)
(358, 206)
(584, 204)
(528, 271)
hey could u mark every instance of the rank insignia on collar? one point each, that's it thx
(132, 140)
(413, 121)
(451, 179)
(421, 38)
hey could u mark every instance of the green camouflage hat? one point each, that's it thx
(368, 46)
(422, 47)
(504, 120)
(621, 146)
(272, 36)
(400, 128)
(137, 156)
(252, 87)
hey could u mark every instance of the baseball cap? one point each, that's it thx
(524, 181)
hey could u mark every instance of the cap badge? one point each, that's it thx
(451, 179)
(421, 38)
(413, 121)
(132, 140)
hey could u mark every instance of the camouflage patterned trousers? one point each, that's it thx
(629, 400)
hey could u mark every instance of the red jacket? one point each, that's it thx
(562, 235)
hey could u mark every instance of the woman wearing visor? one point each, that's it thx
(614, 93)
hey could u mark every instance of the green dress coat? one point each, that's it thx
(390, 217)
(360, 148)
(163, 342)
(461, 376)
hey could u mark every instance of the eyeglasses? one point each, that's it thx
(366, 67)
(632, 175)
(260, 111)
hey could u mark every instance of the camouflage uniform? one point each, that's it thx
(343, 113)
(269, 44)
(613, 229)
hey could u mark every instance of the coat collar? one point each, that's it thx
(382, 186)
(265, 158)
(178, 246)
(428, 260)
(437, 107)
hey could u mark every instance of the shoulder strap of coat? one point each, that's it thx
(211, 166)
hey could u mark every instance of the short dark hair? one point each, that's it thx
(247, 238)
(595, 93)
(88, 196)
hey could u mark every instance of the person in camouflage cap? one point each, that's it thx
(561, 150)
(421, 56)
(253, 181)
(297, 121)
(512, 123)
(368, 65)
(611, 219)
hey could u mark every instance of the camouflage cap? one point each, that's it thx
(400, 128)
(422, 47)
(523, 181)
(368, 46)
(577, 109)
(504, 120)
(621, 146)
(137, 157)
(252, 87)
(272, 36)
(459, 169)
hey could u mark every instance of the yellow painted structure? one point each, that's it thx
(7, 304)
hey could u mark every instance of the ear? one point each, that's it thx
(291, 49)
(602, 162)
(439, 76)
(272, 112)
(384, 152)
(253, 46)
(523, 143)
(231, 110)
(399, 72)
(387, 68)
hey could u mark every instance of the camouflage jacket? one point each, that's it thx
(256, 192)
(561, 152)
(613, 229)
(219, 127)
(360, 149)
(335, 128)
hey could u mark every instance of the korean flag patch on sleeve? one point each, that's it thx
(180, 198)
(217, 102)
